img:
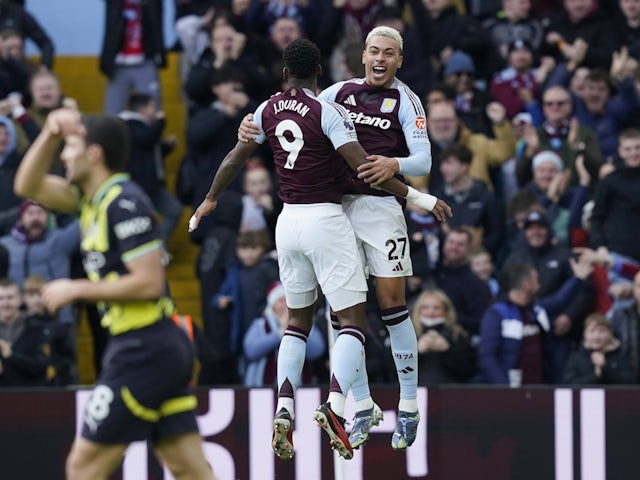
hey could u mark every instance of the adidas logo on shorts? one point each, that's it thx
(398, 267)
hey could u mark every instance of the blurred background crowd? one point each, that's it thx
(533, 113)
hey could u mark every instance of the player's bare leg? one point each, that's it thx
(91, 461)
(184, 457)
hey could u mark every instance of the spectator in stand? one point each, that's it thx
(24, 346)
(262, 339)
(146, 158)
(228, 47)
(283, 31)
(45, 93)
(513, 22)
(515, 333)
(627, 27)
(561, 133)
(9, 161)
(132, 51)
(470, 102)
(453, 31)
(482, 266)
(37, 247)
(473, 205)
(615, 223)
(14, 68)
(469, 295)
(517, 86)
(241, 295)
(445, 354)
(260, 202)
(194, 25)
(518, 207)
(445, 128)
(16, 17)
(555, 275)
(192, 30)
(600, 359)
(598, 108)
(212, 132)
(61, 369)
(550, 185)
(625, 323)
(578, 78)
(580, 21)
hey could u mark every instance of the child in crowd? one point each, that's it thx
(259, 207)
(241, 293)
(262, 340)
(61, 369)
(599, 360)
(482, 266)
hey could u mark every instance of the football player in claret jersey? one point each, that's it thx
(143, 390)
(391, 126)
(314, 239)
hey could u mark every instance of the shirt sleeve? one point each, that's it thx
(414, 125)
(134, 227)
(257, 119)
(337, 125)
(329, 93)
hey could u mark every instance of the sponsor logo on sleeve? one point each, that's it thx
(421, 123)
(132, 226)
(127, 204)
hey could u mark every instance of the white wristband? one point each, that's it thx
(422, 200)
(18, 111)
(192, 222)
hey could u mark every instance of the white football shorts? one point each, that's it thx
(381, 230)
(316, 246)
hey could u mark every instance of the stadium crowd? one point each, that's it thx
(533, 113)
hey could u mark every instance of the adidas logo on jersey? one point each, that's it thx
(351, 100)
(398, 267)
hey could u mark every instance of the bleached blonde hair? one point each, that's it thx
(384, 31)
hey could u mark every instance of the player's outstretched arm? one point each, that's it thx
(32, 179)
(228, 170)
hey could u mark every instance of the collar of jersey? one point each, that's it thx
(311, 93)
(108, 183)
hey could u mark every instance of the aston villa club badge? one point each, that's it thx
(388, 104)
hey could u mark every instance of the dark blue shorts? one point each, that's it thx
(143, 391)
